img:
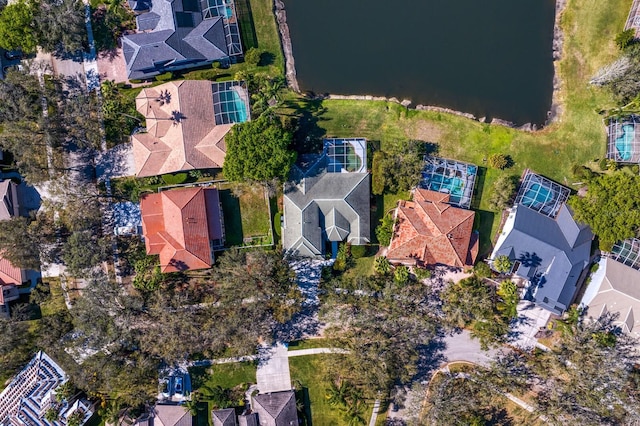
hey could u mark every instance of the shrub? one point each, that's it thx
(503, 189)
(175, 179)
(215, 65)
(499, 161)
(164, 77)
(481, 270)
(342, 258)
(612, 165)
(384, 231)
(602, 164)
(135, 81)
(422, 274)
(625, 38)
(401, 274)
(635, 169)
(358, 251)
(581, 172)
(381, 265)
(252, 56)
(195, 174)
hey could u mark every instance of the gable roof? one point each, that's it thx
(551, 253)
(431, 231)
(9, 274)
(171, 415)
(226, 417)
(8, 200)
(193, 141)
(276, 408)
(619, 294)
(172, 36)
(179, 225)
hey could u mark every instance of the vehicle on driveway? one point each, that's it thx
(177, 385)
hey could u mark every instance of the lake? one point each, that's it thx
(490, 58)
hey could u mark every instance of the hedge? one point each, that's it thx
(165, 77)
(175, 179)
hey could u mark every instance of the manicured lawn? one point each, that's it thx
(310, 372)
(246, 215)
(362, 267)
(311, 343)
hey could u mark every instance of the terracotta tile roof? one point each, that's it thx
(9, 274)
(430, 231)
(179, 224)
(195, 142)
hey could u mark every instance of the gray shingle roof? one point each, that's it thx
(276, 408)
(173, 39)
(226, 417)
(551, 254)
(326, 207)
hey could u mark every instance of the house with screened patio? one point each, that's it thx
(548, 249)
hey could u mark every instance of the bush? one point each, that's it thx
(135, 81)
(175, 179)
(252, 56)
(384, 231)
(503, 189)
(401, 274)
(625, 38)
(499, 161)
(164, 77)
(602, 164)
(481, 270)
(581, 172)
(612, 165)
(381, 265)
(422, 274)
(635, 169)
(215, 65)
(358, 251)
(502, 264)
(342, 258)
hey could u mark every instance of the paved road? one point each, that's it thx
(461, 347)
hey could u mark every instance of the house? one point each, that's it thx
(267, 409)
(10, 278)
(182, 226)
(177, 34)
(31, 394)
(186, 123)
(328, 200)
(547, 247)
(165, 415)
(9, 204)
(618, 293)
(430, 231)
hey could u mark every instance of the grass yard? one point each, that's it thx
(310, 344)
(578, 137)
(309, 372)
(56, 302)
(247, 218)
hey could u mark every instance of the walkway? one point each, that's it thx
(316, 351)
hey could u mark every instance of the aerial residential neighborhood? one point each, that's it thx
(243, 213)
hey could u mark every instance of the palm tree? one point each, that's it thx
(337, 393)
(191, 406)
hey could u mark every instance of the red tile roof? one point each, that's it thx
(430, 231)
(9, 276)
(179, 224)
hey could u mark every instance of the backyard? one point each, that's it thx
(247, 219)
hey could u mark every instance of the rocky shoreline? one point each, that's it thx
(552, 115)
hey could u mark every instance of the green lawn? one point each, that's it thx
(246, 215)
(310, 372)
(311, 343)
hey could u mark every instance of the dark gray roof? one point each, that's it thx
(226, 417)
(552, 254)
(171, 37)
(276, 408)
(324, 206)
(248, 420)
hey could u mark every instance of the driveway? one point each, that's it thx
(531, 319)
(461, 347)
(273, 370)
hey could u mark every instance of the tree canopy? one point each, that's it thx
(258, 151)
(611, 207)
(398, 169)
(17, 30)
(61, 26)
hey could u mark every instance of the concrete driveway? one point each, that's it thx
(273, 370)
(461, 347)
(531, 319)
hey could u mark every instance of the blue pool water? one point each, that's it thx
(229, 12)
(536, 195)
(233, 105)
(454, 185)
(624, 142)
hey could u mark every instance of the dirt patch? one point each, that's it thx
(423, 130)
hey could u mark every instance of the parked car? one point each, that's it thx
(166, 385)
(177, 385)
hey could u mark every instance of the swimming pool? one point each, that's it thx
(453, 186)
(536, 195)
(625, 141)
(233, 107)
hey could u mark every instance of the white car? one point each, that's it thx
(177, 385)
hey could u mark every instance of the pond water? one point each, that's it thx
(491, 58)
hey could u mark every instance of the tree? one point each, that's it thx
(625, 38)
(508, 293)
(16, 27)
(502, 194)
(252, 56)
(60, 26)
(398, 169)
(502, 264)
(51, 415)
(401, 274)
(381, 265)
(22, 240)
(611, 207)
(148, 275)
(82, 252)
(499, 161)
(467, 301)
(259, 151)
(384, 231)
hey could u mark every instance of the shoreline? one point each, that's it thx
(553, 114)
